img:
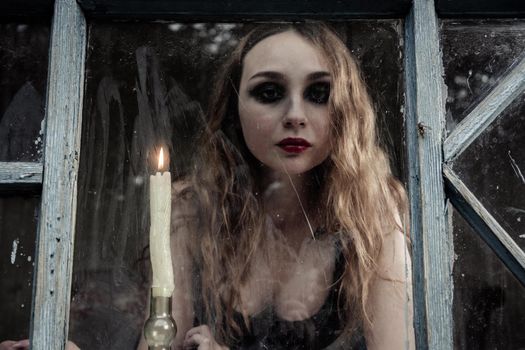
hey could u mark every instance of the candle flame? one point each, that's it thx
(161, 159)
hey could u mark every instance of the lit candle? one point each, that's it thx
(159, 237)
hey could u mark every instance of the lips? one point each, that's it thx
(294, 145)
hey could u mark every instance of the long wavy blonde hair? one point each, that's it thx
(360, 196)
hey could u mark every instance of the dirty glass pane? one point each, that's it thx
(23, 75)
(18, 223)
(149, 85)
(475, 55)
(493, 168)
(488, 300)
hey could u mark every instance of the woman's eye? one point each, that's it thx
(267, 92)
(318, 93)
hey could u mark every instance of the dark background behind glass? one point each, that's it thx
(489, 303)
(18, 223)
(23, 76)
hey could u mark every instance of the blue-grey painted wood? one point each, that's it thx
(420, 325)
(508, 88)
(425, 127)
(231, 10)
(485, 224)
(49, 327)
(12, 173)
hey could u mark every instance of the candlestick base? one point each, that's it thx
(160, 328)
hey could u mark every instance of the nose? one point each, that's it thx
(294, 116)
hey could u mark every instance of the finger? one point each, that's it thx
(202, 329)
(23, 344)
(199, 340)
(7, 344)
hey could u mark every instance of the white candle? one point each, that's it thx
(159, 237)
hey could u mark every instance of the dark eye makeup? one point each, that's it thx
(270, 92)
(318, 92)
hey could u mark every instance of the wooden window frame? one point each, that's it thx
(431, 182)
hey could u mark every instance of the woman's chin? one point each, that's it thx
(292, 167)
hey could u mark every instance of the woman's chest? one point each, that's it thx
(295, 286)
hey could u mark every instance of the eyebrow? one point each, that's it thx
(280, 76)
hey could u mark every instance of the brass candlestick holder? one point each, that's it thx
(160, 328)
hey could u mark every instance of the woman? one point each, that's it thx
(289, 234)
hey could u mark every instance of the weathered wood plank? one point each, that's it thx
(516, 261)
(232, 10)
(49, 326)
(414, 185)
(20, 173)
(425, 124)
(508, 88)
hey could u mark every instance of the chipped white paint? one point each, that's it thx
(516, 168)
(509, 87)
(13, 251)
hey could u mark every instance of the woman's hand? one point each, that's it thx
(15, 345)
(201, 338)
(24, 345)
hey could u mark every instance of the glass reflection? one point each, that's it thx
(286, 229)
(23, 75)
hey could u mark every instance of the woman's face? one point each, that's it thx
(283, 103)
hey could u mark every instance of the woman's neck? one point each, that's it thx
(292, 202)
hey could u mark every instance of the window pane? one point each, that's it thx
(23, 75)
(493, 168)
(488, 300)
(18, 224)
(475, 55)
(147, 85)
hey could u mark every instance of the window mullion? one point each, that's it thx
(432, 244)
(55, 238)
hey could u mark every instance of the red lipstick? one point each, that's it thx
(294, 144)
